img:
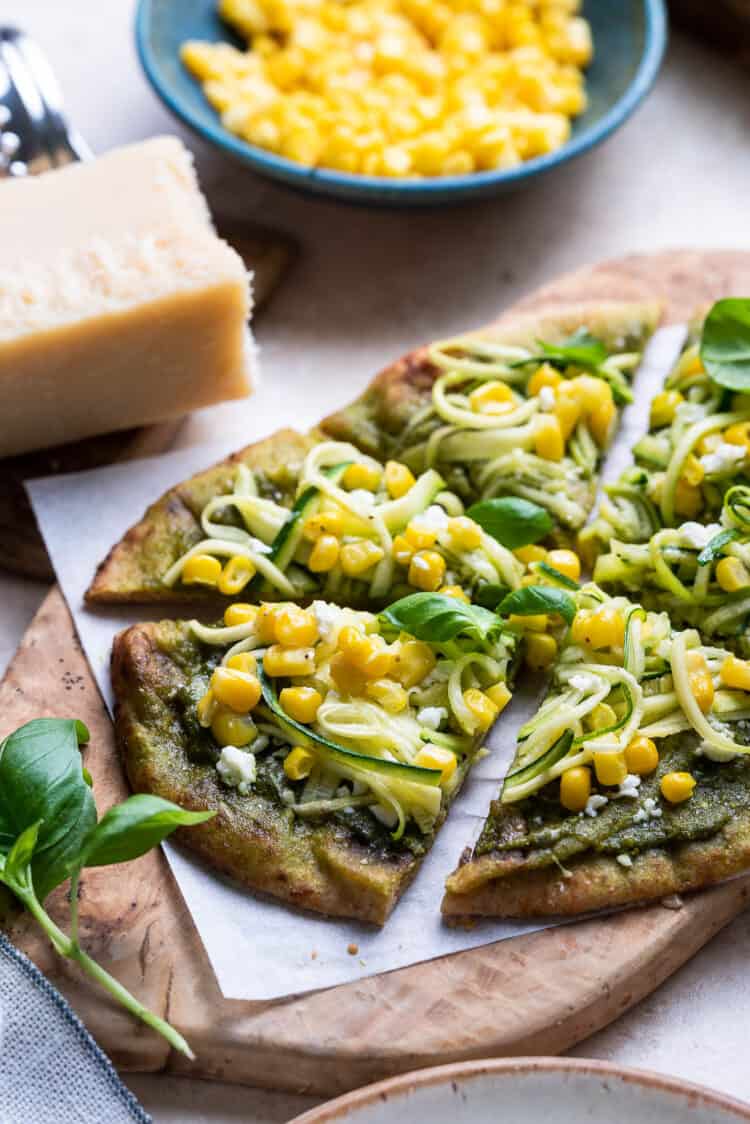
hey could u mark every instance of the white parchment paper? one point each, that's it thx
(260, 949)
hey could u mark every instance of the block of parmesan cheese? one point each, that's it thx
(119, 305)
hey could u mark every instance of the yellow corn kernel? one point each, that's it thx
(641, 756)
(324, 554)
(238, 690)
(354, 643)
(435, 757)
(347, 678)
(567, 410)
(601, 421)
(413, 660)
(548, 438)
(543, 376)
(610, 768)
(324, 523)
(362, 476)
(688, 499)
(243, 661)
(692, 470)
(369, 654)
(398, 479)
(677, 787)
(736, 673)
(299, 763)
(205, 709)
(402, 550)
(601, 717)
(229, 728)
(663, 408)
(464, 533)
(201, 569)
(301, 703)
(265, 623)
(604, 628)
(539, 651)
(702, 688)
(237, 572)
(731, 574)
(279, 661)
(534, 622)
(499, 694)
(391, 696)
(240, 613)
(359, 557)
(484, 710)
(295, 627)
(575, 788)
(565, 562)
(529, 554)
(454, 591)
(738, 434)
(420, 537)
(492, 398)
(427, 570)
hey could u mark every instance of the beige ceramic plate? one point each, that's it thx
(530, 1091)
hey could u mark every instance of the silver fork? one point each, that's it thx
(34, 131)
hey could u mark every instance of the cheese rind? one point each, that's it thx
(122, 307)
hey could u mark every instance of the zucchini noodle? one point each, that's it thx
(465, 718)
(690, 708)
(470, 419)
(276, 577)
(491, 359)
(682, 451)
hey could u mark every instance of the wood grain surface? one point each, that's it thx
(268, 254)
(537, 994)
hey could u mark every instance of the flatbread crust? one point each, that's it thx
(498, 885)
(375, 420)
(132, 571)
(253, 839)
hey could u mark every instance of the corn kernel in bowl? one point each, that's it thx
(399, 88)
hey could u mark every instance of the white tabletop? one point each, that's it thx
(369, 284)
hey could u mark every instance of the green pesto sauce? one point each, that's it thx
(722, 791)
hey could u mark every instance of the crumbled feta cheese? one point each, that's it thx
(697, 536)
(237, 768)
(327, 616)
(584, 682)
(630, 786)
(649, 810)
(688, 412)
(547, 399)
(362, 500)
(433, 519)
(432, 716)
(624, 860)
(594, 803)
(723, 458)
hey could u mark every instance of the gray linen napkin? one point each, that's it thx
(51, 1070)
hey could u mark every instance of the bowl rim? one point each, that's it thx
(335, 1111)
(429, 189)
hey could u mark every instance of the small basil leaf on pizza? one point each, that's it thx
(725, 343)
(438, 619)
(512, 521)
(535, 600)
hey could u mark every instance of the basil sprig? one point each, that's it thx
(441, 620)
(533, 600)
(512, 521)
(715, 546)
(725, 343)
(49, 833)
(580, 350)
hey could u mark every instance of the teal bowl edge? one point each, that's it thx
(380, 191)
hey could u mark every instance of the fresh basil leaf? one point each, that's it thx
(512, 521)
(438, 619)
(725, 343)
(41, 778)
(132, 828)
(16, 872)
(533, 600)
(714, 546)
(489, 595)
(580, 350)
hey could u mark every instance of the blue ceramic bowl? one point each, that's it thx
(629, 40)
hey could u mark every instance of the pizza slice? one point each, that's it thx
(330, 742)
(525, 408)
(631, 783)
(698, 444)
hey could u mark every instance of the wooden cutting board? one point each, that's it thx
(536, 994)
